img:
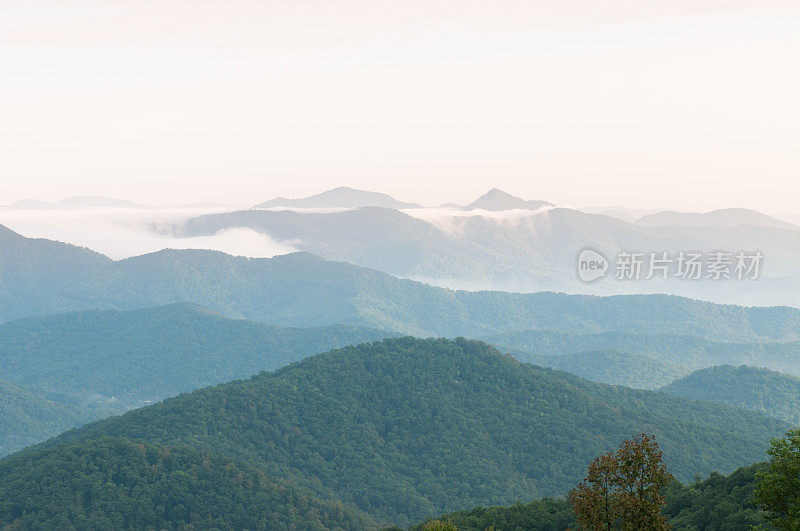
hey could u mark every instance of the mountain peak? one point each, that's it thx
(340, 197)
(496, 199)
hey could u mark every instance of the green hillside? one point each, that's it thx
(769, 392)
(610, 366)
(111, 483)
(408, 428)
(129, 358)
(26, 418)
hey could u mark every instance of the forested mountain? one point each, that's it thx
(686, 352)
(129, 358)
(407, 428)
(610, 366)
(756, 389)
(112, 483)
(525, 252)
(26, 418)
(719, 502)
(42, 276)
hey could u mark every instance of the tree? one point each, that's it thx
(593, 499)
(438, 525)
(778, 489)
(622, 489)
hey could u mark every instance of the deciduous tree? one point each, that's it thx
(622, 489)
(778, 490)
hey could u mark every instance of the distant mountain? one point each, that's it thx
(530, 251)
(724, 218)
(26, 418)
(611, 367)
(756, 389)
(496, 199)
(341, 197)
(406, 428)
(126, 359)
(112, 483)
(76, 202)
(686, 353)
(41, 276)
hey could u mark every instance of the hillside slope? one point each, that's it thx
(111, 483)
(407, 428)
(756, 389)
(130, 358)
(610, 366)
(26, 418)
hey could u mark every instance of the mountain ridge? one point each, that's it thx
(752, 388)
(404, 428)
(42, 276)
(341, 197)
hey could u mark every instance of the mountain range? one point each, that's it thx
(42, 276)
(405, 429)
(531, 250)
(393, 430)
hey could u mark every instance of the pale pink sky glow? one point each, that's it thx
(690, 105)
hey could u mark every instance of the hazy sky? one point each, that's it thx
(691, 104)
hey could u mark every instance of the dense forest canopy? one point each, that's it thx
(407, 428)
(129, 358)
(113, 483)
(27, 418)
(719, 502)
(756, 389)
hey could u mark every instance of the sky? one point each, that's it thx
(682, 104)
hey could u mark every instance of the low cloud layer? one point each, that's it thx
(121, 233)
(450, 220)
